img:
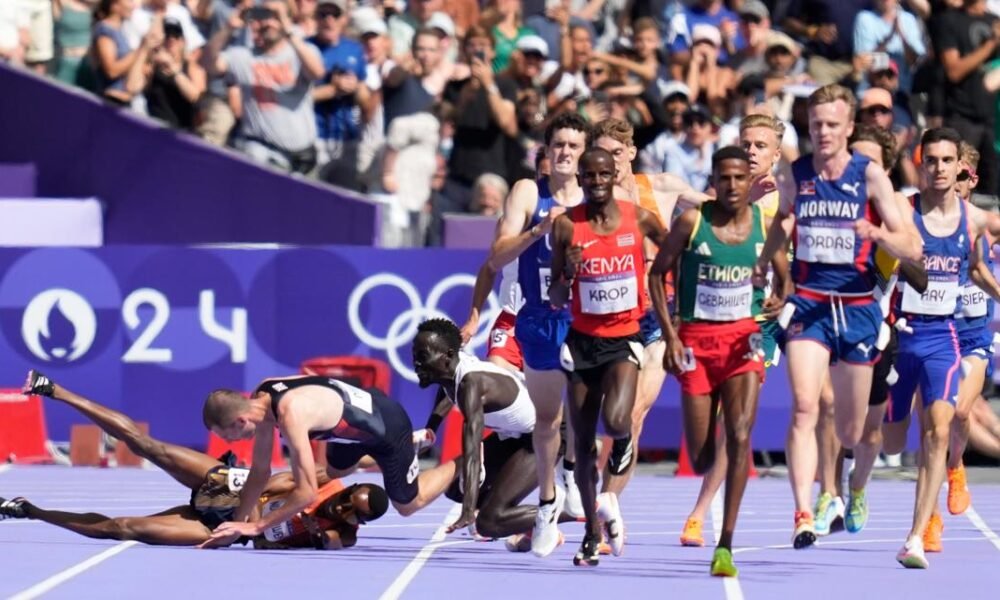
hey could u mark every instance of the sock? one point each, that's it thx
(569, 465)
(621, 455)
(546, 502)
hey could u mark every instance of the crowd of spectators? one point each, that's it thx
(438, 106)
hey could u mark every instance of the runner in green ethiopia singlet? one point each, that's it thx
(715, 277)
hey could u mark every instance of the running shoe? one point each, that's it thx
(545, 535)
(12, 509)
(958, 491)
(574, 505)
(857, 511)
(521, 542)
(932, 534)
(824, 513)
(692, 536)
(839, 512)
(38, 384)
(911, 555)
(588, 555)
(805, 530)
(722, 563)
(610, 513)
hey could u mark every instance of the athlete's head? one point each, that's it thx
(876, 143)
(967, 179)
(565, 140)
(831, 119)
(615, 136)
(731, 178)
(358, 504)
(227, 414)
(597, 176)
(760, 137)
(435, 351)
(939, 149)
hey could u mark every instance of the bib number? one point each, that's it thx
(544, 281)
(609, 294)
(826, 244)
(723, 303)
(939, 299)
(973, 302)
(236, 477)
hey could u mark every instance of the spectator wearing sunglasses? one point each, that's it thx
(876, 108)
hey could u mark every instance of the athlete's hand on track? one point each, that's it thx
(229, 532)
(464, 520)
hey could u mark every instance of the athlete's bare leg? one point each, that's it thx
(969, 389)
(803, 358)
(178, 526)
(739, 405)
(546, 390)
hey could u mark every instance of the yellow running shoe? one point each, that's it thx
(932, 535)
(691, 536)
(722, 563)
(958, 491)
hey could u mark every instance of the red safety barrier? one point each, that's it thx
(23, 435)
(243, 449)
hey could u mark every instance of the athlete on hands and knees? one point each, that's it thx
(523, 234)
(929, 352)
(355, 422)
(498, 472)
(835, 203)
(760, 137)
(597, 252)
(215, 491)
(660, 194)
(879, 146)
(718, 353)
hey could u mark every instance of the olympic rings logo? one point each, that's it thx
(403, 327)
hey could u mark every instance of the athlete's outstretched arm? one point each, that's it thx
(513, 235)
(485, 280)
(260, 472)
(687, 196)
(666, 259)
(470, 402)
(912, 271)
(895, 237)
(565, 262)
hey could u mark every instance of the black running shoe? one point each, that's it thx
(589, 553)
(38, 384)
(13, 509)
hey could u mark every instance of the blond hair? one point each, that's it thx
(831, 93)
(968, 154)
(616, 129)
(767, 121)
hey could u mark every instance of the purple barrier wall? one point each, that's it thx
(151, 330)
(17, 180)
(162, 186)
(468, 231)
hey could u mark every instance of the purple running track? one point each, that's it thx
(411, 558)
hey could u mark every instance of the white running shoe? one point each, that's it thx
(574, 504)
(911, 555)
(545, 535)
(614, 526)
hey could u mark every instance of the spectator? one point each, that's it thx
(507, 28)
(876, 110)
(676, 102)
(408, 172)
(645, 45)
(374, 38)
(414, 86)
(826, 27)
(486, 118)
(73, 23)
(488, 195)
(888, 33)
(142, 19)
(576, 60)
(711, 13)
(691, 159)
(707, 80)
(755, 27)
(553, 27)
(13, 33)
(749, 99)
(119, 67)
(40, 49)
(222, 103)
(174, 83)
(338, 96)
(275, 78)
(965, 41)
(305, 18)
(418, 15)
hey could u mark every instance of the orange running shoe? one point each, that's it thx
(805, 530)
(958, 491)
(691, 536)
(932, 534)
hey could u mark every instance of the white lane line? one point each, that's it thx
(63, 576)
(4, 467)
(731, 584)
(981, 525)
(399, 585)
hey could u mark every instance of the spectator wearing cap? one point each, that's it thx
(676, 101)
(421, 14)
(553, 26)
(887, 33)
(338, 95)
(485, 120)
(876, 110)
(506, 17)
(708, 81)
(119, 67)
(690, 158)
(278, 125)
(645, 46)
(703, 12)
(372, 30)
(826, 27)
(142, 19)
(175, 82)
(784, 64)
(755, 27)
(445, 28)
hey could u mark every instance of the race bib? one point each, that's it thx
(356, 397)
(830, 244)
(716, 301)
(278, 531)
(973, 302)
(609, 294)
(236, 477)
(939, 298)
(544, 281)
